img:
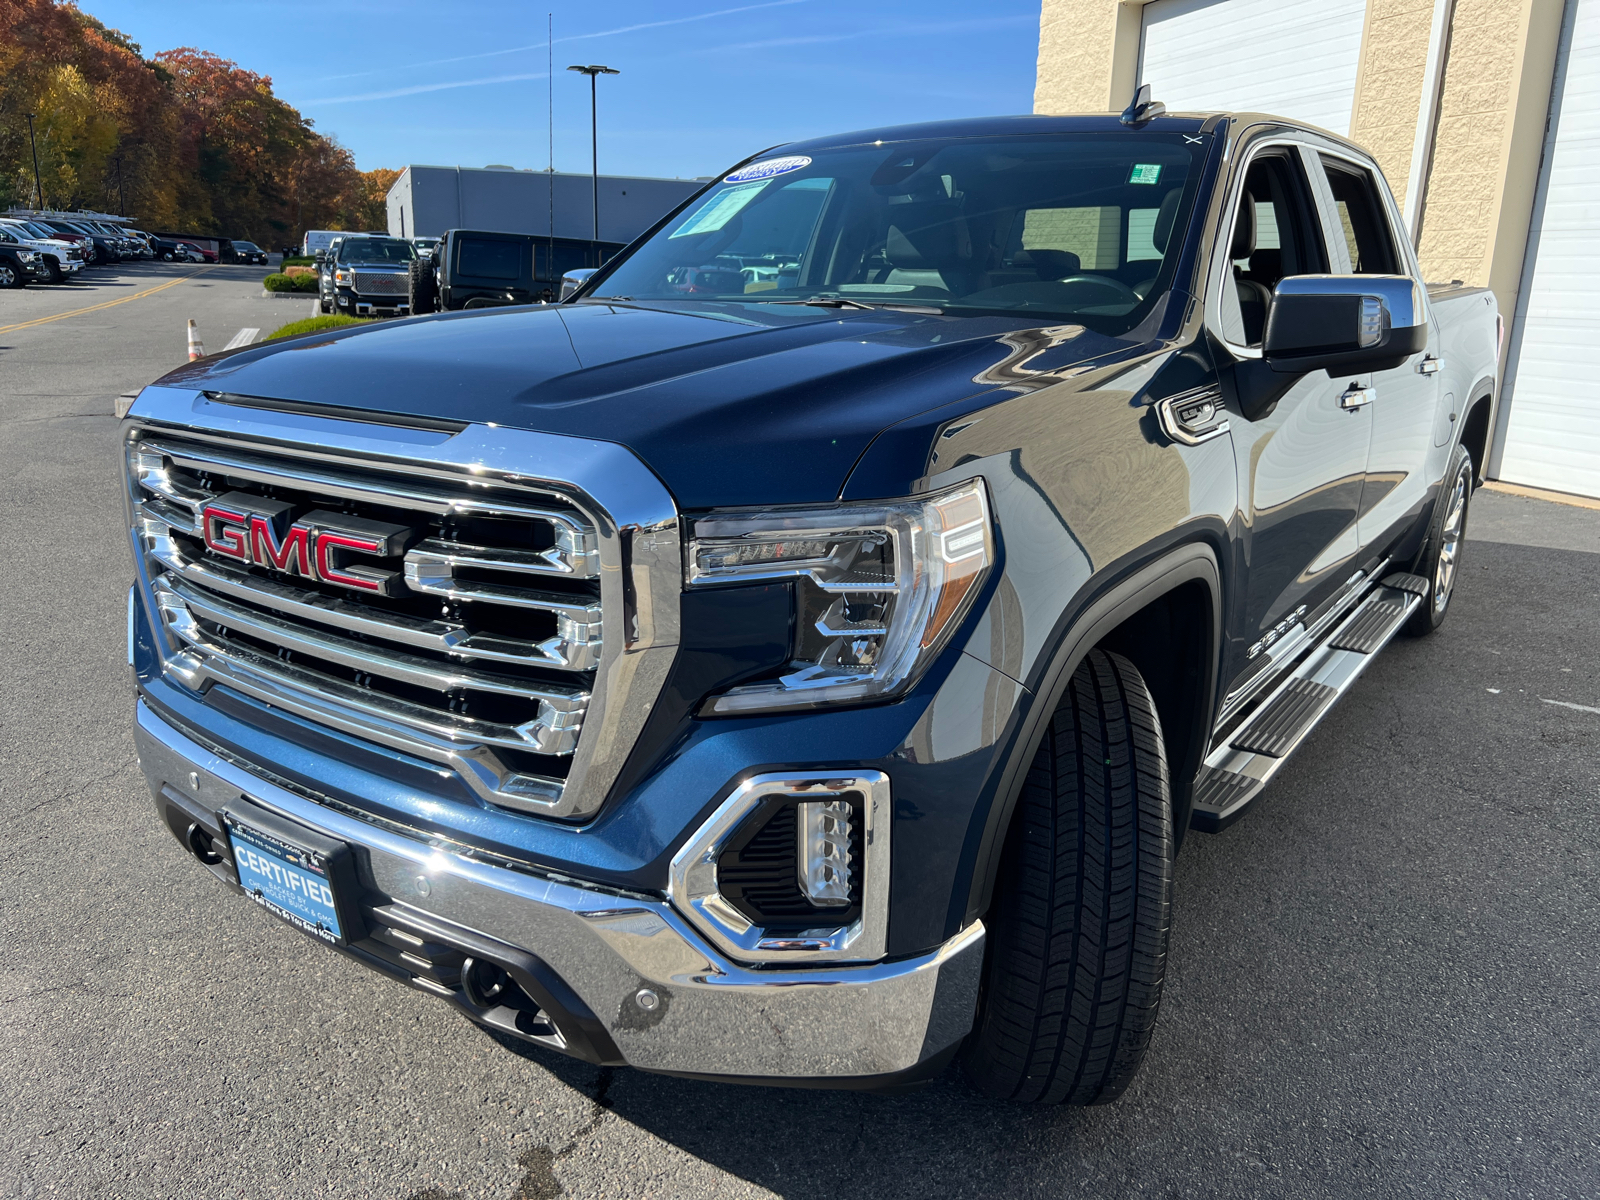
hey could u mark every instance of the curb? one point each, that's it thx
(1533, 493)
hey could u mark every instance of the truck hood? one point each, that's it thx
(729, 404)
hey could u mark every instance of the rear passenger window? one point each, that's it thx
(1366, 228)
(489, 260)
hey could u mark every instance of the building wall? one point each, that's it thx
(1394, 60)
(430, 200)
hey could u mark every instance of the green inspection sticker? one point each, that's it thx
(1145, 173)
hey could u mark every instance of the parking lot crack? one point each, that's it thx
(77, 791)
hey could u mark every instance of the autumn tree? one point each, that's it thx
(184, 140)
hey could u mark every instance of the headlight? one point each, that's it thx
(345, 277)
(880, 587)
(28, 255)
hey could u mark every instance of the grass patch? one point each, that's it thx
(315, 325)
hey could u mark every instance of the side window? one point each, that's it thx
(1366, 229)
(1274, 235)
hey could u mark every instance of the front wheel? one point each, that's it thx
(1078, 930)
(11, 276)
(1440, 561)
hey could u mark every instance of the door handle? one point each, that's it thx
(1356, 396)
(1430, 366)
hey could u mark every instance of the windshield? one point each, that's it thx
(1055, 226)
(245, 246)
(375, 250)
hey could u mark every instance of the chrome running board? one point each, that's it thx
(1238, 770)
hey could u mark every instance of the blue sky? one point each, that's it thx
(703, 83)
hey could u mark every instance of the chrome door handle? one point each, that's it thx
(1430, 366)
(1356, 397)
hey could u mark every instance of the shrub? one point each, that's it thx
(278, 283)
(314, 325)
(305, 283)
(299, 260)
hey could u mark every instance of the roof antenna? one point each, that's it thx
(1143, 109)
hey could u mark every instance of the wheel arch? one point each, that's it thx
(1475, 421)
(1121, 617)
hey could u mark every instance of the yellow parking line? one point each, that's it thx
(105, 304)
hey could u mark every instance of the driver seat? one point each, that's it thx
(1254, 298)
(928, 245)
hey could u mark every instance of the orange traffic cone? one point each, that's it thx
(196, 350)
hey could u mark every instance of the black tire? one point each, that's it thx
(1078, 930)
(11, 275)
(1440, 560)
(424, 289)
(324, 305)
(56, 273)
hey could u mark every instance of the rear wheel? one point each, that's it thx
(424, 288)
(1078, 929)
(1440, 561)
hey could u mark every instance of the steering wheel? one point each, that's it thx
(1124, 293)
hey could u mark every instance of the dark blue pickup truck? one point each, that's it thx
(798, 657)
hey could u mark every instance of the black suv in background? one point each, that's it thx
(475, 268)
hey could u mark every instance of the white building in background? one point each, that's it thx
(426, 201)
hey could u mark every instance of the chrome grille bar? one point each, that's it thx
(421, 722)
(444, 637)
(572, 555)
(514, 535)
(363, 656)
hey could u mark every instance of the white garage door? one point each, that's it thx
(1552, 435)
(1293, 58)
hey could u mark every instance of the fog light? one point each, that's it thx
(824, 837)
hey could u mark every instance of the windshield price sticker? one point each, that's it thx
(769, 168)
(1145, 173)
(719, 210)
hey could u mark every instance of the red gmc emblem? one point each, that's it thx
(261, 532)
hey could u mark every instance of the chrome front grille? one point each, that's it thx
(382, 283)
(505, 634)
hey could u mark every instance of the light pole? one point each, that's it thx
(38, 188)
(592, 72)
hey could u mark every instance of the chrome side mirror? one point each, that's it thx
(1344, 323)
(573, 280)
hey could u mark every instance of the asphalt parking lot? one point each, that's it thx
(1385, 982)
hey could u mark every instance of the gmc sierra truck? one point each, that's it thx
(809, 675)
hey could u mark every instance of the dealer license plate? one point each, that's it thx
(289, 880)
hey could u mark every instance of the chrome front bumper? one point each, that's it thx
(709, 1016)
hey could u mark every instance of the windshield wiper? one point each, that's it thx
(827, 302)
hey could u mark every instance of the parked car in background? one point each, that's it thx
(248, 252)
(205, 254)
(98, 249)
(61, 258)
(424, 246)
(369, 276)
(145, 243)
(475, 268)
(20, 266)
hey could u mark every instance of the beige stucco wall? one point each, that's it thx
(1492, 112)
(1394, 59)
(1080, 54)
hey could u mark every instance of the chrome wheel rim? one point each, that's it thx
(1444, 571)
(7, 276)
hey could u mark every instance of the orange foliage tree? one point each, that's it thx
(184, 140)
